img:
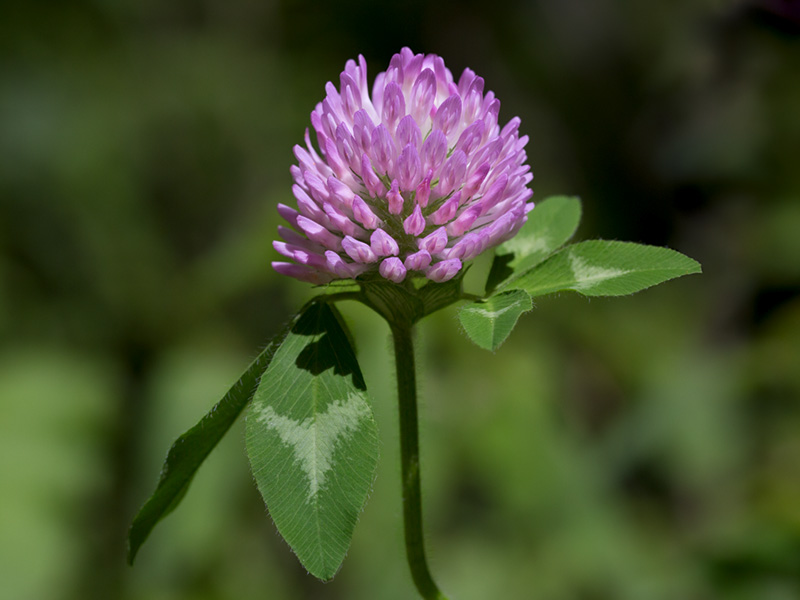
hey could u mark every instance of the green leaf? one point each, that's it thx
(550, 225)
(312, 440)
(489, 322)
(190, 450)
(601, 268)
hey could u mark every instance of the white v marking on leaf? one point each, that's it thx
(491, 314)
(587, 276)
(314, 439)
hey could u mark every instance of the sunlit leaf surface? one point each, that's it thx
(488, 323)
(603, 268)
(312, 440)
(550, 225)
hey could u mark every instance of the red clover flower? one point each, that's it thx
(408, 182)
(416, 178)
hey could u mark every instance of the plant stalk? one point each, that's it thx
(409, 456)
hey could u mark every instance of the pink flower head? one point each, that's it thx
(417, 177)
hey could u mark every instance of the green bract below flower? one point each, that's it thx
(416, 178)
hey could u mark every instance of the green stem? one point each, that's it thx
(409, 456)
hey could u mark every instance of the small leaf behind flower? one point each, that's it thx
(489, 322)
(191, 449)
(312, 440)
(606, 268)
(550, 225)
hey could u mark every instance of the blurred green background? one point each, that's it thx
(638, 448)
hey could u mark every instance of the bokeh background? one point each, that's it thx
(643, 448)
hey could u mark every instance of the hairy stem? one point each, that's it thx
(409, 455)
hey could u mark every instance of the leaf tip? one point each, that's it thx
(131, 550)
